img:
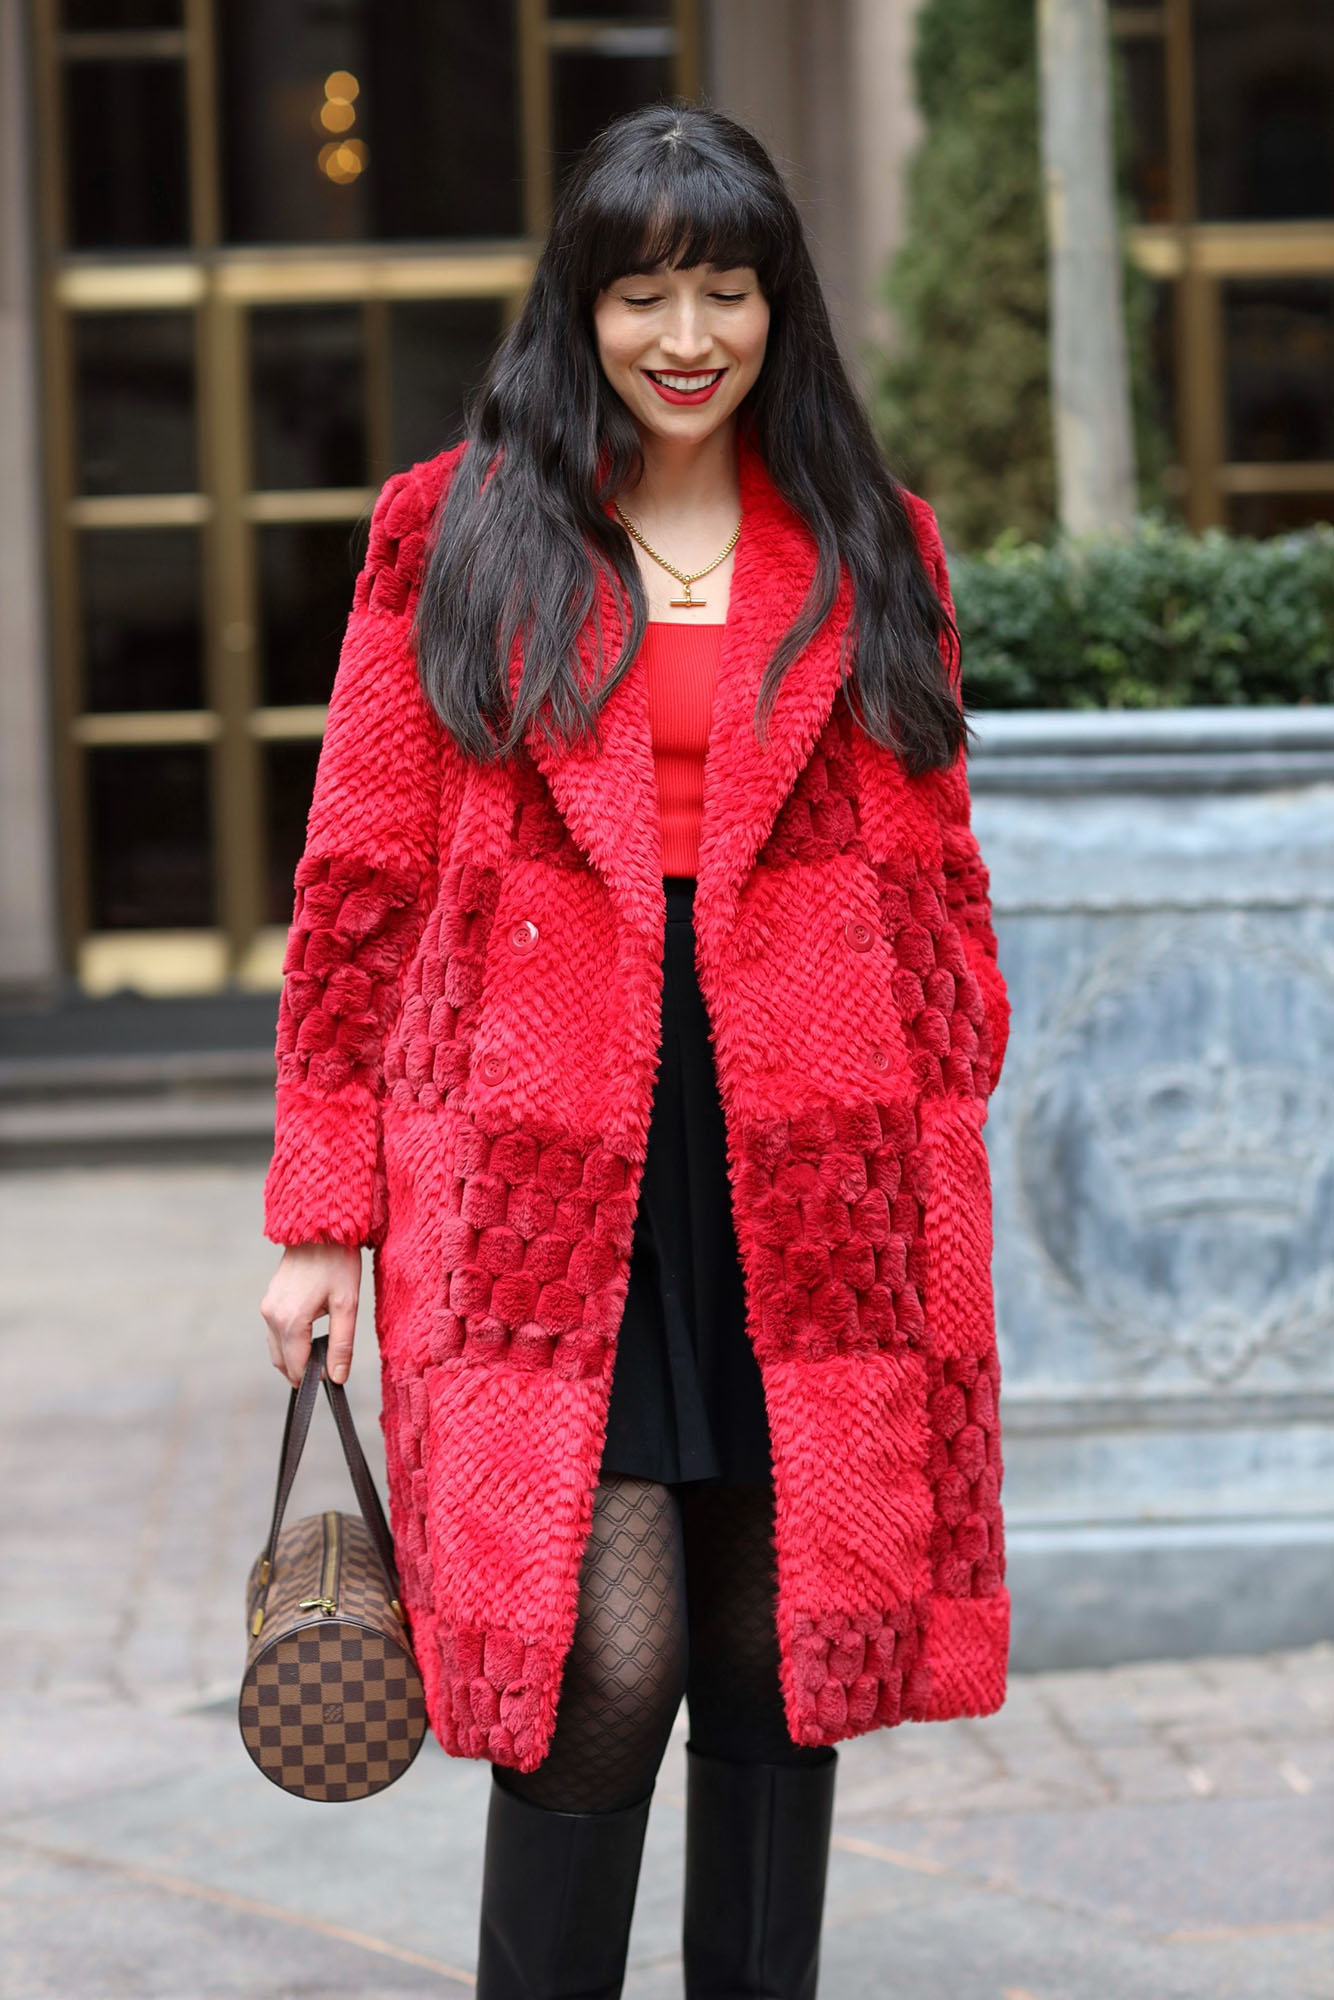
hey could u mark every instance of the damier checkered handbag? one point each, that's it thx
(331, 1700)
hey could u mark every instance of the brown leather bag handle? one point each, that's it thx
(300, 1409)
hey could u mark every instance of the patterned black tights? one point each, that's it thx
(676, 1596)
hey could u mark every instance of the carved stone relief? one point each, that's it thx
(1174, 1146)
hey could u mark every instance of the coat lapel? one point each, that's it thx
(608, 796)
(746, 782)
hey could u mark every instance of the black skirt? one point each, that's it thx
(687, 1400)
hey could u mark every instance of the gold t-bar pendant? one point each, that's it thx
(689, 602)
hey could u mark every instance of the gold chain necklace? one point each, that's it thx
(688, 602)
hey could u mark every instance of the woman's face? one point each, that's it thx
(680, 347)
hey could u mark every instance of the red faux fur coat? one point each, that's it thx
(467, 1049)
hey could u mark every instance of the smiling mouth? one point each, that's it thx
(694, 387)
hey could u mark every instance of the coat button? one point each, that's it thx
(523, 936)
(494, 1068)
(879, 1058)
(859, 935)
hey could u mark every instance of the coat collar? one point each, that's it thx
(608, 796)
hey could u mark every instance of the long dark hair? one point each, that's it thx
(524, 536)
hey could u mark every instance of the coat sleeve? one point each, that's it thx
(967, 882)
(363, 891)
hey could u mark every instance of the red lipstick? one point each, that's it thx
(709, 382)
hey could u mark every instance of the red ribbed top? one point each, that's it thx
(681, 667)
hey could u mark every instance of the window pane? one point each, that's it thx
(125, 155)
(307, 371)
(610, 10)
(590, 90)
(1264, 111)
(135, 391)
(357, 120)
(1280, 368)
(439, 349)
(149, 838)
(289, 781)
(1278, 513)
(446, 152)
(143, 640)
(1144, 109)
(277, 118)
(122, 13)
(306, 574)
(1160, 345)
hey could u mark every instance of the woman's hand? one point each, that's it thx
(312, 1279)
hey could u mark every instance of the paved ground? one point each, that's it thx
(1142, 1833)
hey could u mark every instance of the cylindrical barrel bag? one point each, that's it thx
(331, 1700)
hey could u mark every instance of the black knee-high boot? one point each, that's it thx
(757, 1854)
(558, 1893)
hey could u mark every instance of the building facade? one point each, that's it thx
(255, 256)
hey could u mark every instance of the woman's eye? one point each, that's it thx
(654, 298)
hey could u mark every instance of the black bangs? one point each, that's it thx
(682, 202)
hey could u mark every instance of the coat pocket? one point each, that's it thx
(959, 1303)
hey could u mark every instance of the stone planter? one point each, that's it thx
(1162, 1145)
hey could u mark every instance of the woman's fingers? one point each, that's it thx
(312, 1280)
(287, 1320)
(296, 1347)
(342, 1327)
(276, 1350)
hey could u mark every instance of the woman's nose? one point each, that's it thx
(686, 338)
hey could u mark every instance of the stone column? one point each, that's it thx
(29, 934)
(827, 84)
(1089, 374)
(882, 113)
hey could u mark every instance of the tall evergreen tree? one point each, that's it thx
(963, 401)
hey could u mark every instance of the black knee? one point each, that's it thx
(733, 1690)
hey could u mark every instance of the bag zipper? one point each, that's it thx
(327, 1601)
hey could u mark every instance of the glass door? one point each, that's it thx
(279, 244)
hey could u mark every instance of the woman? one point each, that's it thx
(656, 1081)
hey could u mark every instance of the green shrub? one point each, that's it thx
(1161, 619)
(962, 401)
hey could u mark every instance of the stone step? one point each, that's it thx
(69, 1107)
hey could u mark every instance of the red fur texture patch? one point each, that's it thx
(965, 1467)
(321, 1179)
(966, 1651)
(430, 1053)
(536, 1232)
(938, 997)
(957, 1228)
(345, 951)
(511, 1464)
(834, 1198)
(853, 1518)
